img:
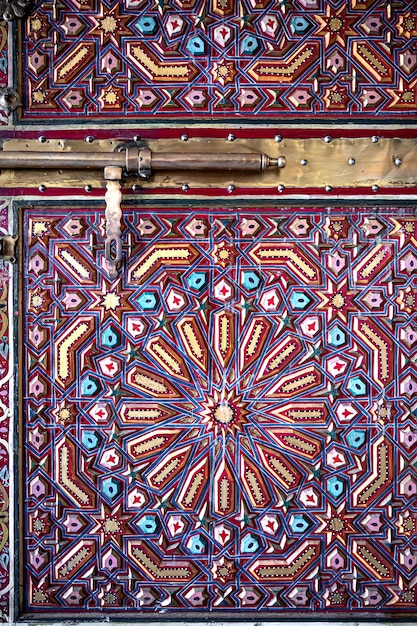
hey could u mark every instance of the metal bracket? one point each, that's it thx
(8, 245)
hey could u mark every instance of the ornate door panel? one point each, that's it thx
(228, 427)
(216, 59)
(229, 424)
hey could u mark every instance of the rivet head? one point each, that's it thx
(351, 161)
(375, 188)
(41, 187)
(185, 187)
(329, 188)
(278, 138)
(89, 139)
(135, 187)
(184, 137)
(88, 188)
(136, 138)
(303, 161)
(281, 188)
(42, 139)
(231, 188)
(327, 139)
(231, 137)
(398, 161)
(374, 139)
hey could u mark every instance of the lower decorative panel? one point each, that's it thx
(230, 424)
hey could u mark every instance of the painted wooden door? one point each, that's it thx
(227, 427)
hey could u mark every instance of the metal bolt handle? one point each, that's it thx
(113, 198)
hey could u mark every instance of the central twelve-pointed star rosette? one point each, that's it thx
(233, 404)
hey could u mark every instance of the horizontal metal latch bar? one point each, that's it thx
(140, 161)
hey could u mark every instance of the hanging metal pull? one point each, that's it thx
(113, 198)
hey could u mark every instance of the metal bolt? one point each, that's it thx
(303, 161)
(89, 139)
(375, 187)
(374, 139)
(398, 161)
(278, 138)
(351, 161)
(41, 187)
(329, 188)
(327, 139)
(42, 139)
(231, 137)
(231, 188)
(135, 187)
(88, 188)
(185, 187)
(184, 137)
(281, 188)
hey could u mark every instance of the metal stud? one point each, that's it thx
(135, 187)
(281, 188)
(185, 187)
(42, 139)
(329, 188)
(231, 137)
(351, 161)
(327, 139)
(303, 161)
(278, 138)
(136, 138)
(89, 139)
(231, 188)
(184, 137)
(41, 187)
(88, 188)
(375, 188)
(374, 139)
(398, 161)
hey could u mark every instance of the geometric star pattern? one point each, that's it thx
(230, 423)
(197, 58)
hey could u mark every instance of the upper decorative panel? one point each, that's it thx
(158, 59)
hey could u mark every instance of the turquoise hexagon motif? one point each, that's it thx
(299, 25)
(148, 524)
(89, 386)
(90, 439)
(356, 438)
(148, 301)
(336, 487)
(196, 45)
(147, 25)
(197, 544)
(299, 300)
(197, 280)
(249, 544)
(357, 386)
(298, 523)
(111, 488)
(110, 338)
(336, 336)
(249, 45)
(250, 280)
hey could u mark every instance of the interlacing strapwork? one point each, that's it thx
(230, 423)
